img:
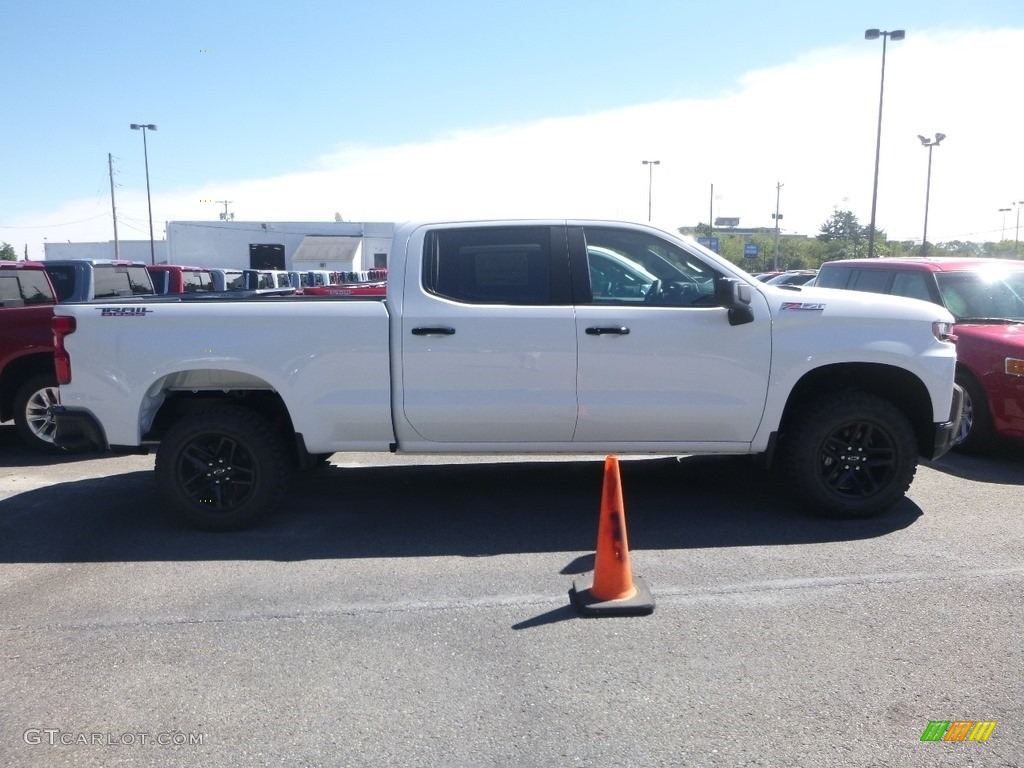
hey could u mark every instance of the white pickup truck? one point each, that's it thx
(517, 338)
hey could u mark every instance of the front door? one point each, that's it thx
(658, 360)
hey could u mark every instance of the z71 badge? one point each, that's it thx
(802, 306)
(124, 311)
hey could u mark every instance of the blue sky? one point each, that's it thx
(248, 93)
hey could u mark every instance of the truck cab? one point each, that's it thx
(172, 278)
(88, 279)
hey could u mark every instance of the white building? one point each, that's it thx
(335, 245)
(127, 250)
(342, 246)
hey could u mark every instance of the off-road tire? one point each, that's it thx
(222, 468)
(849, 455)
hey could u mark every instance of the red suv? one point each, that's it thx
(986, 296)
(28, 381)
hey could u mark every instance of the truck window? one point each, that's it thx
(110, 283)
(913, 285)
(138, 280)
(833, 277)
(490, 265)
(872, 280)
(628, 267)
(9, 288)
(197, 282)
(28, 285)
(63, 279)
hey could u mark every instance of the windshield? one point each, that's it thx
(983, 294)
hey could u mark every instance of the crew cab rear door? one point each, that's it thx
(488, 337)
(658, 360)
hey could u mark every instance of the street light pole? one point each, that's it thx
(650, 182)
(1002, 234)
(874, 34)
(930, 143)
(777, 216)
(1016, 237)
(149, 199)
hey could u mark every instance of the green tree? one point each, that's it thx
(842, 226)
(7, 252)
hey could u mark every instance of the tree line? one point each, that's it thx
(841, 237)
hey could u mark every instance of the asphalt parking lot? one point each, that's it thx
(413, 612)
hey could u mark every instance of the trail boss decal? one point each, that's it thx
(124, 311)
(802, 306)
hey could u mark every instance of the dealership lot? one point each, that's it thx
(411, 611)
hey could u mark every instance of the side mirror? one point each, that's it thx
(735, 296)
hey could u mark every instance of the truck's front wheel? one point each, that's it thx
(850, 455)
(222, 468)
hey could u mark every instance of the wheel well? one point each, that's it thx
(900, 387)
(266, 404)
(16, 373)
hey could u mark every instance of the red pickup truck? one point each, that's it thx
(173, 278)
(28, 381)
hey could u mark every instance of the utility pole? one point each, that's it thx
(777, 216)
(113, 208)
(226, 216)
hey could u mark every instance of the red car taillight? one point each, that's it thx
(62, 326)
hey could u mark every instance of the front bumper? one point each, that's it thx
(946, 432)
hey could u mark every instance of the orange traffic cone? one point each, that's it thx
(613, 590)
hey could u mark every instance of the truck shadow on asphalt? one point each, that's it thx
(468, 510)
(1003, 465)
(14, 453)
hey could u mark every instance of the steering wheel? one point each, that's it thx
(654, 293)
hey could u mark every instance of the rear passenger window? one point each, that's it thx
(833, 278)
(490, 265)
(871, 280)
(913, 285)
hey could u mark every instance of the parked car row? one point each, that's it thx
(175, 279)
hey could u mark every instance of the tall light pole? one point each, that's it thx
(1016, 236)
(778, 217)
(1002, 234)
(650, 182)
(149, 199)
(930, 143)
(874, 34)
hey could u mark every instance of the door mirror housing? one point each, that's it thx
(735, 296)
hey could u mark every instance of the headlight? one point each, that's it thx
(943, 331)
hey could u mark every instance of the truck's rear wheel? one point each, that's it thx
(222, 468)
(32, 402)
(850, 455)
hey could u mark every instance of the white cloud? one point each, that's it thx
(810, 124)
